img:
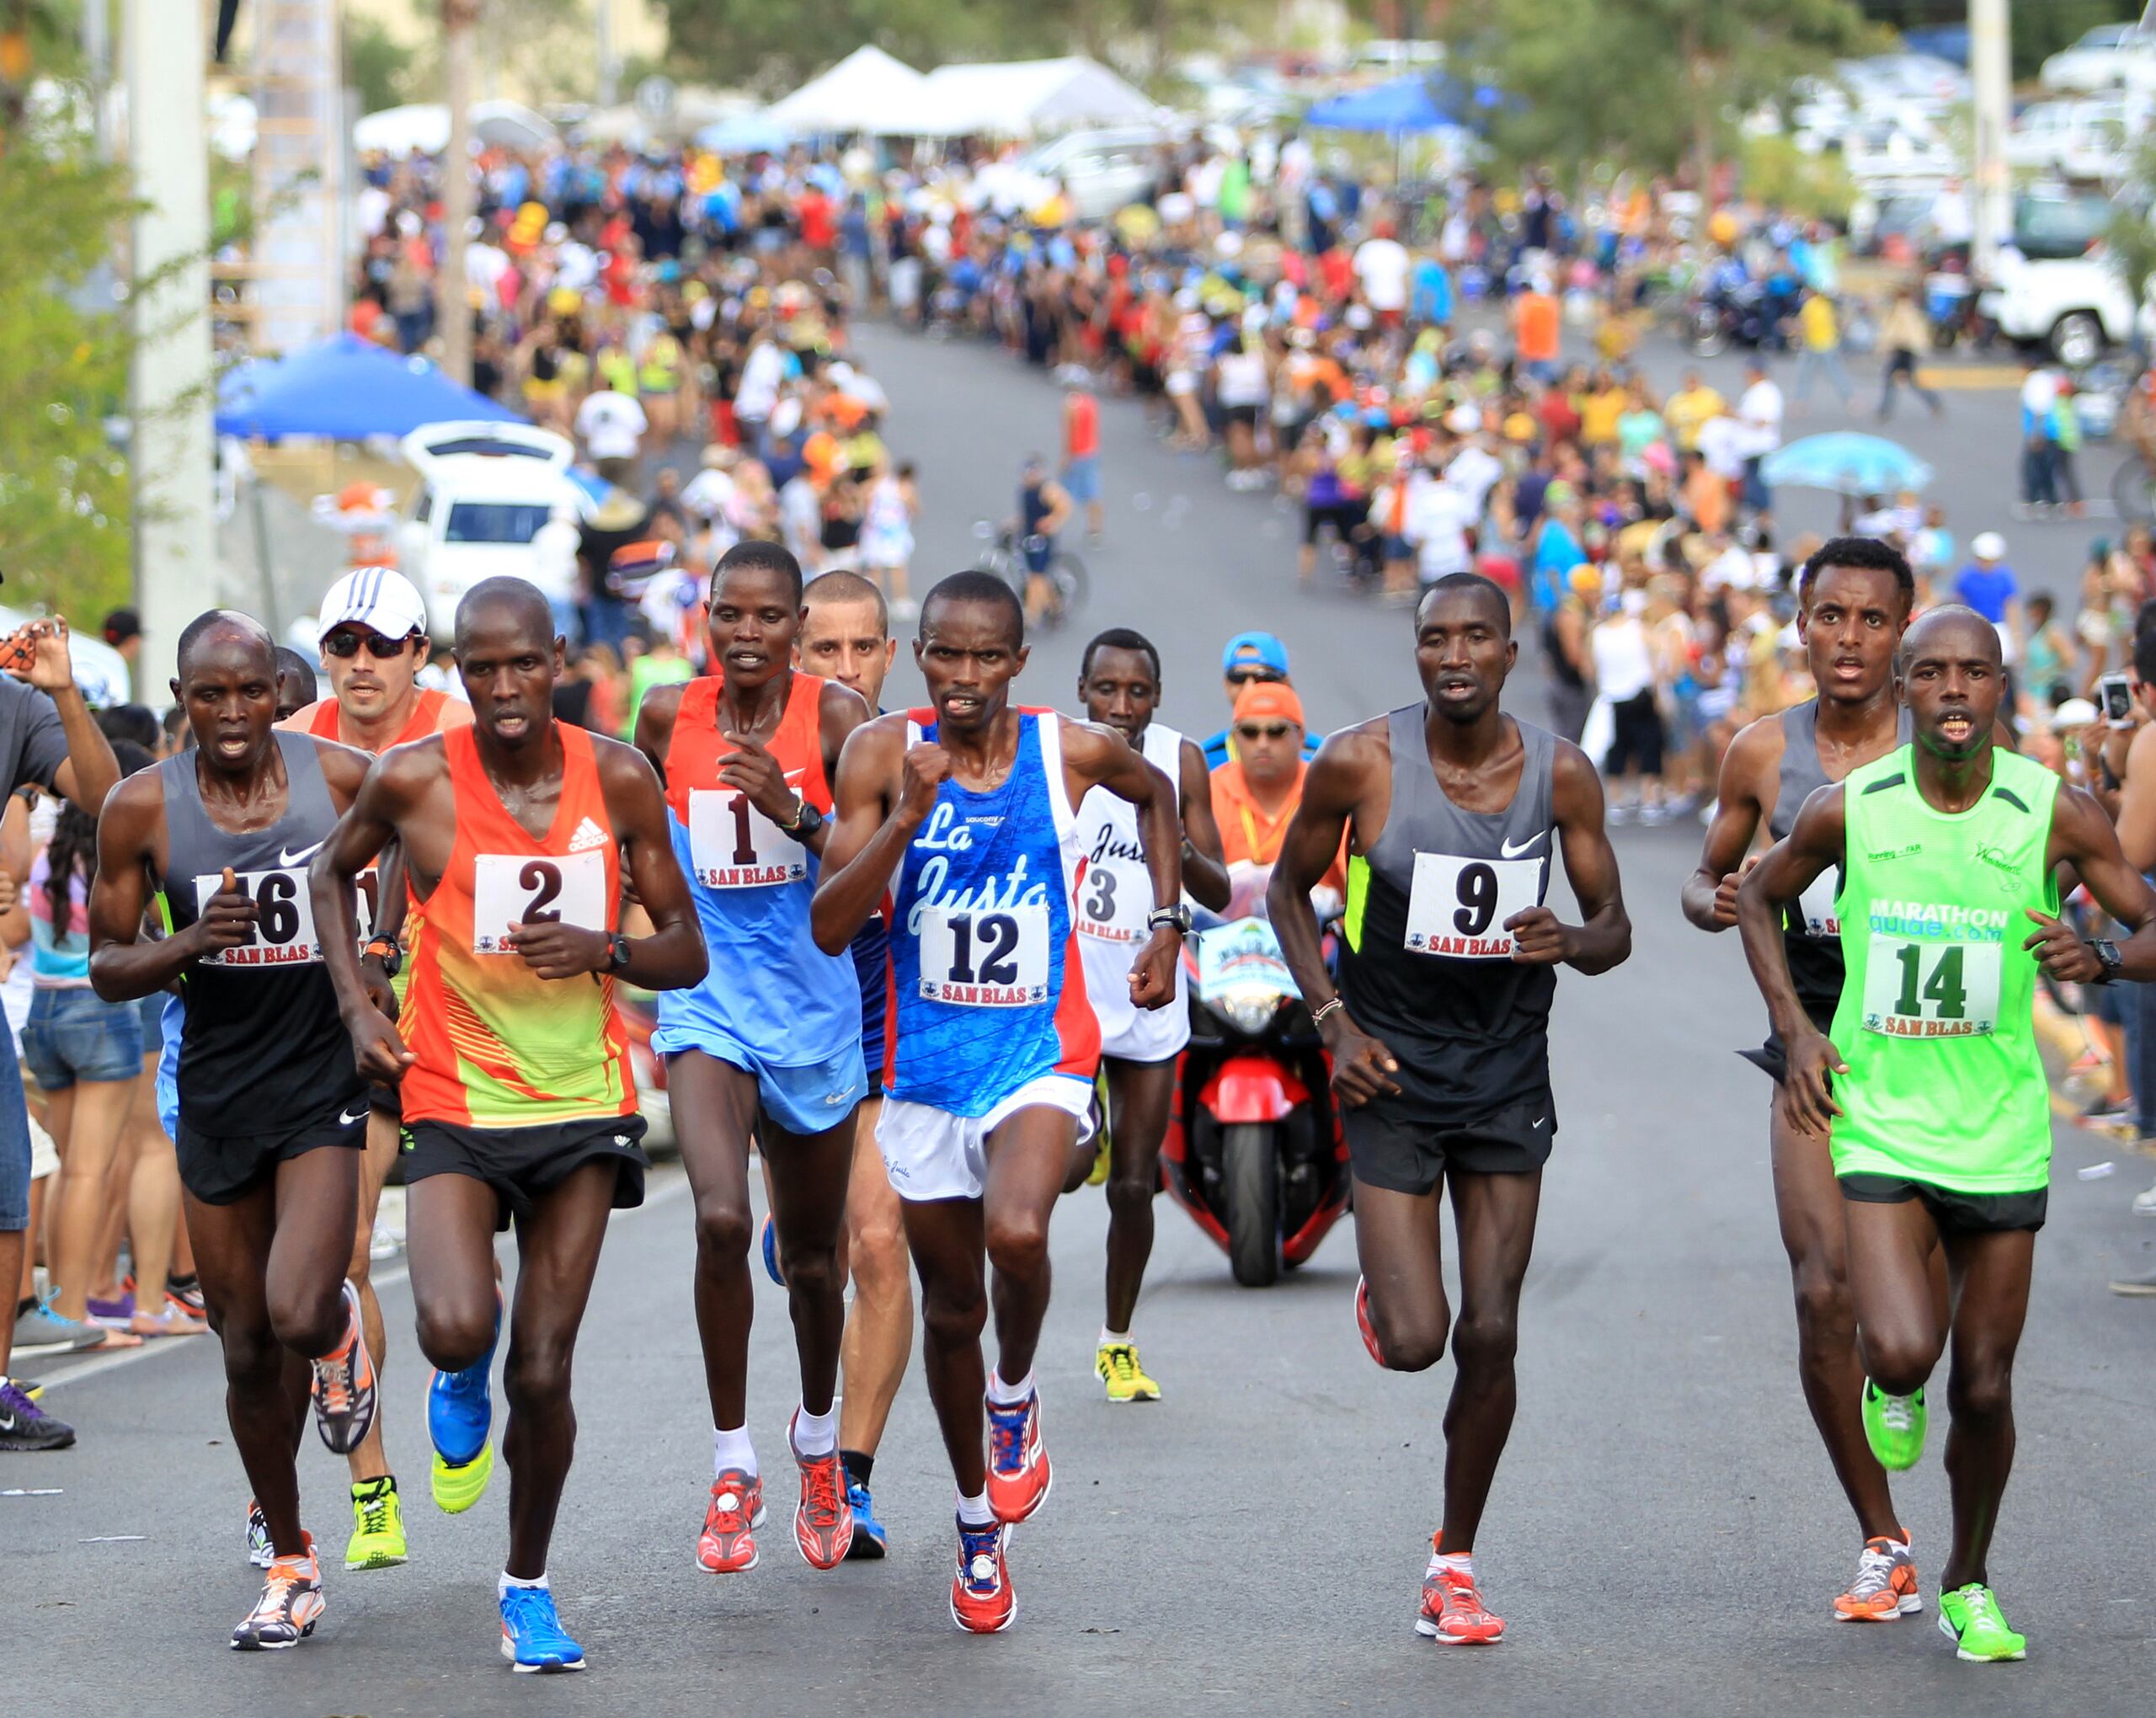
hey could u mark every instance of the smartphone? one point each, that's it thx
(2115, 692)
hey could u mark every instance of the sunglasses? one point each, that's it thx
(1246, 676)
(1261, 730)
(347, 645)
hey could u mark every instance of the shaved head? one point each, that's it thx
(1952, 629)
(219, 625)
(518, 598)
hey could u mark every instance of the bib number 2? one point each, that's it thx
(984, 960)
(1931, 989)
(510, 888)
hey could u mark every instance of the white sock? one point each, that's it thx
(816, 1434)
(974, 1511)
(1109, 1336)
(1009, 1395)
(732, 1449)
(509, 1580)
(1445, 1560)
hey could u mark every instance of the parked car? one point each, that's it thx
(1099, 171)
(485, 488)
(2076, 306)
(2108, 57)
(2080, 140)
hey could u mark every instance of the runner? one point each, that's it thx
(1119, 685)
(965, 813)
(1931, 1088)
(846, 636)
(220, 835)
(373, 635)
(1439, 1030)
(517, 1101)
(769, 1044)
(1854, 597)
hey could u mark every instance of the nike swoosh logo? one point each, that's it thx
(348, 1116)
(1508, 850)
(1538, 1121)
(287, 857)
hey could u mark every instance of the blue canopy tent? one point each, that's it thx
(345, 390)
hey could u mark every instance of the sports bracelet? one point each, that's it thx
(1318, 1014)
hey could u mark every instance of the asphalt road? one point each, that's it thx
(1665, 1536)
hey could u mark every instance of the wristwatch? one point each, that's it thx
(804, 823)
(617, 952)
(1178, 916)
(387, 953)
(2108, 957)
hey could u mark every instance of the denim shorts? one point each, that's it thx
(73, 1035)
(1081, 478)
(15, 1141)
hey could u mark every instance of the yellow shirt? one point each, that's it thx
(1599, 416)
(1684, 411)
(1817, 322)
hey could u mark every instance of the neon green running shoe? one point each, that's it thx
(457, 1486)
(1970, 1617)
(1894, 1426)
(377, 1540)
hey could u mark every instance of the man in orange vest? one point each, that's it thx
(1255, 794)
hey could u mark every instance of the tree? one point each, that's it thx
(376, 65)
(1646, 84)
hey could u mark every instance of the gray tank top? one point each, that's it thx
(1428, 965)
(263, 1049)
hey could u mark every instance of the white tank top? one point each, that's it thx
(1115, 893)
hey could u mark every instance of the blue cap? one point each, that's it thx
(1261, 650)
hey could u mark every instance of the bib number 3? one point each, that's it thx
(1457, 907)
(1112, 902)
(518, 888)
(984, 960)
(283, 927)
(1931, 989)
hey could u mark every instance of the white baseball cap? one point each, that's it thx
(1988, 546)
(381, 598)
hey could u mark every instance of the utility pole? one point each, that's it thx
(177, 571)
(1991, 206)
(460, 19)
(609, 64)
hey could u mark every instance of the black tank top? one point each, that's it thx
(1428, 965)
(263, 1049)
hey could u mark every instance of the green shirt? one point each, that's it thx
(1945, 1085)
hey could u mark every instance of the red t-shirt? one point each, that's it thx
(819, 227)
(1081, 426)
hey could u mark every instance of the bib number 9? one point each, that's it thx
(283, 929)
(1457, 907)
(985, 959)
(732, 845)
(516, 889)
(1931, 989)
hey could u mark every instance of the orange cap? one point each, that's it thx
(1269, 700)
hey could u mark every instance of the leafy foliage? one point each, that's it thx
(377, 65)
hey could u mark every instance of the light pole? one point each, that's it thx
(1990, 77)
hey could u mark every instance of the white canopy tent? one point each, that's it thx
(425, 126)
(1026, 98)
(867, 91)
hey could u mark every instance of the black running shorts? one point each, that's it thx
(1406, 1150)
(1953, 1212)
(521, 1163)
(1772, 1056)
(218, 1169)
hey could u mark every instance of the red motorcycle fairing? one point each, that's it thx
(1252, 1088)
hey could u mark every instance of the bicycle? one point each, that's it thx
(2133, 490)
(1005, 554)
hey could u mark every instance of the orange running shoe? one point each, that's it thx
(1362, 1319)
(1453, 1612)
(1885, 1589)
(823, 1521)
(982, 1602)
(728, 1544)
(344, 1387)
(290, 1607)
(1018, 1475)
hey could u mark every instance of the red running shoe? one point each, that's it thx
(1453, 1612)
(1362, 1319)
(728, 1544)
(823, 1521)
(982, 1602)
(1018, 1475)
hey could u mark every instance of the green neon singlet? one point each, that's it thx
(1944, 1084)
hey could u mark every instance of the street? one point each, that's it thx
(1664, 1537)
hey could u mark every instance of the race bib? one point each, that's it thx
(995, 959)
(1931, 989)
(732, 845)
(1113, 898)
(520, 889)
(283, 934)
(1457, 907)
(1816, 911)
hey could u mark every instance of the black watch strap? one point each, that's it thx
(617, 952)
(2108, 957)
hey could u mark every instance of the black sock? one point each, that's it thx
(175, 1280)
(26, 1306)
(374, 1488)
(858, 1467)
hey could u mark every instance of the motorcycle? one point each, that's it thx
(1254, 1150)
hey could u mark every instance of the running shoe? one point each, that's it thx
(41, 1330)
(2144, 1202)
(290, 1607)
(533, 1639)
(1969, 1616)
(460, 1414)
(189, 1299)
(377, 1540)
(344, 1388)
(1362, 1319)
(114, 1311)
(870, 1541)
(1885, 1589)
(770, 1250)
(1116, 1365)
(1894, 1426)
(1453, 1612)
(259, 1553)
(823, 1524)
(25, 1425)
(29, 1387)
(982, 1602)
(1019, 1474)
(170, 1319)
(728, 1544)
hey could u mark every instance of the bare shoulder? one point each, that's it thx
(343, 766)
(1755, 754)
(1365, 746)
(842, 703)
(1085, 742)
(404, 771)
(619, 763)
(662, 703)
(134, 806)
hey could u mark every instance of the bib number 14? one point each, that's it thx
(1931, 989)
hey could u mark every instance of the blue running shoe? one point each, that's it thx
(533, 1639)
(771, 1251)
(460, 1414)
(870, 1541)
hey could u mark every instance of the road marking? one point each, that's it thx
(1971, 377)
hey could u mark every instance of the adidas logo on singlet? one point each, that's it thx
(588, 835)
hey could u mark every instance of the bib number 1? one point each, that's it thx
(1931, 989)
(732, 845)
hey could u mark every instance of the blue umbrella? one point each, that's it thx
(1848, 463)
(1404, 106)
(345, 389)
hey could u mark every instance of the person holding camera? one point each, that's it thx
(2126, 786)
